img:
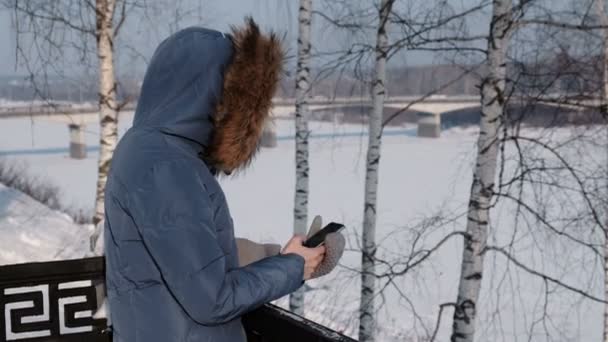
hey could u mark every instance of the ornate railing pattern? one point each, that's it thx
(57, 301)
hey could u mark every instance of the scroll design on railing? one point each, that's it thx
(37, 305)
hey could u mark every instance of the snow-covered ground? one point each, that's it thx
(6, 104)
(419, 178)
(30, 231)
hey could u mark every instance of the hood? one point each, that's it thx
(214, 89)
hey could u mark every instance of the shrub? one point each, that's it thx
(15, 175)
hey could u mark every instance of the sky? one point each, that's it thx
(276, 14)
(142, 36)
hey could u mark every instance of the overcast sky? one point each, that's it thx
(280, 15)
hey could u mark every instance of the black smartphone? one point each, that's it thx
(319, 238)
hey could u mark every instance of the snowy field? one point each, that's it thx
(419, 178)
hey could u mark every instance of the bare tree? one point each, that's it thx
(300, 212)
(367, 322)
(440, 26)
(108, 109)
(549, 184)
(493, 99)
(51, 26)
(55, 38)
(567, 167)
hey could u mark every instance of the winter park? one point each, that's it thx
(305, 170)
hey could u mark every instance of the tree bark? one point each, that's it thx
(367, 322)
(492, 110)
(108, 113)
(300, 212)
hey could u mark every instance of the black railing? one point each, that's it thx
(52, 301)
(56, 301)
(273, 324)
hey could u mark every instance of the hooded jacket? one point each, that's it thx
(171, 258)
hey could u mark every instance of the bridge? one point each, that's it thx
(429, 108)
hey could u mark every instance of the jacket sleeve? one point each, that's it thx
(177, 227)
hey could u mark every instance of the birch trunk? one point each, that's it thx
(367, 322)
(492, 110)
(603, 18)
(108, 114)
(300, 212)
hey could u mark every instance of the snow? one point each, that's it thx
(419, 178)
(8, 104)
(24, 227)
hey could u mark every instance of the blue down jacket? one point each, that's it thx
(171, 259)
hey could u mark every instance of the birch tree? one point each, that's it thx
(54, 25)
(493, 101)
(441, 24)
(367, 322)
(300, 212)
(108, 110)
(50, 34)
(551, 193)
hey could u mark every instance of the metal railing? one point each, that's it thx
(56, 301)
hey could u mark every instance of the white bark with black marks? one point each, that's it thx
(300, 211)
(367, 321)
(108, 112)
(492, 112)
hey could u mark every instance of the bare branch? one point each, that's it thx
(543, 276)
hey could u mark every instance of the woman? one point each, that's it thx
(173, 272)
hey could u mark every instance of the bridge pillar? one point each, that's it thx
(78, 145)
(269, 135)
(429, 125)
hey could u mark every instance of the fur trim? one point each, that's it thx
(250, 82)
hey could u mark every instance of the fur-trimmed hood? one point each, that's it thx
(214, 89)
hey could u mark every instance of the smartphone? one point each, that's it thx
(319, 238)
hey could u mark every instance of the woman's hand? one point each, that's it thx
(312, 256)
(334, 248)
